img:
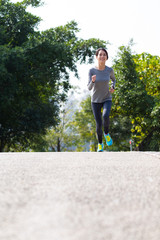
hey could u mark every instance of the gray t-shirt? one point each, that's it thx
(100, 89)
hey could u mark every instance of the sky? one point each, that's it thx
(116, 21)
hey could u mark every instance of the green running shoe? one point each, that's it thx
(100, 147)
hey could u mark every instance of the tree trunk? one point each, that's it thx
(58, 145)
(2, 145)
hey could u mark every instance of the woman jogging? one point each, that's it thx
(101, 95)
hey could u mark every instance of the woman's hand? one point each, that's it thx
(93, 78)
(112, 90)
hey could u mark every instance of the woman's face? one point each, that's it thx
(102, 57)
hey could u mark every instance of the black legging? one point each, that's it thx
(96, 107)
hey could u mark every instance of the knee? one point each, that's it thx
(105, 115)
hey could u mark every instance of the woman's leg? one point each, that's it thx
(106, 112)
(96, 108)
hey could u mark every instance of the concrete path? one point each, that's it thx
(80, 196)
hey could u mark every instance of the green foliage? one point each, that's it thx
(130, 94)
(33, 3)
(83, 125)
(85, 50)
(136, 96)
(62, 138)
(16, 24)
(120, 129)
(148, 67)
(34, 73)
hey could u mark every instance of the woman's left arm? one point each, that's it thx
(112, 76)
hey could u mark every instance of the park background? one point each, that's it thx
(129, 31)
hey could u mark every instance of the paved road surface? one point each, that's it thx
(80, 196)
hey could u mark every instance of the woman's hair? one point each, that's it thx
(103, 49)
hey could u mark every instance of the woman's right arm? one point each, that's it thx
(91, 80)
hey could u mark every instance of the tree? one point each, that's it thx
(83, 125)
(16, 24)
(34, 72)
(132, 97)
(61, 138)
(148, 67)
